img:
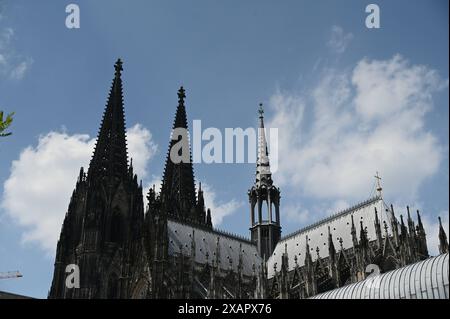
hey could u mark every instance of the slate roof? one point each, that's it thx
(340, 226)
(180, 234)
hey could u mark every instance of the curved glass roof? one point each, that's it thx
(427, 279)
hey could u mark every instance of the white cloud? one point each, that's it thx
(12, 65)
(335, 136)
(219, 209)
(297, 214)
(6, 34)
(141, 148)
(37, 192)
(339, 40)
(18, 71)
(2, 60)
(394, 88)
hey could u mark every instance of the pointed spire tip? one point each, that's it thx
(118, 66)
(181, 94)
(261, 110)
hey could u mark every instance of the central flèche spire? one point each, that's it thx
(263, 173)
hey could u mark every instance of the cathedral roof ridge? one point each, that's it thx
(331, 217)
(232, 235)
(214, 230)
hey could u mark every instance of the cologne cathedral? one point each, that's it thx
(170, 249)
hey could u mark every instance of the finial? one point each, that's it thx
(181, 94)
(379, 188)
(261, 110)
(118, 66)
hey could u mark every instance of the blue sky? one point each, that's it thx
(347, 100)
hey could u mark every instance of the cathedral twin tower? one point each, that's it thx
(121, 251)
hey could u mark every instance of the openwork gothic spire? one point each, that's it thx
(110, 155)
(178, 188)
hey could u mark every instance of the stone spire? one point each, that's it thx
(264, 199)
(443, 243)
(110, 155)
(411, 226)
(332, 260)
(263, 174)
(331, 248)
(353, 233)
(394, 226)
(422, 237)
(208, 218)
(178, 187)
(377, 225)
(103, 226)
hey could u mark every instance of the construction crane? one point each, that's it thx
(10, 274)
